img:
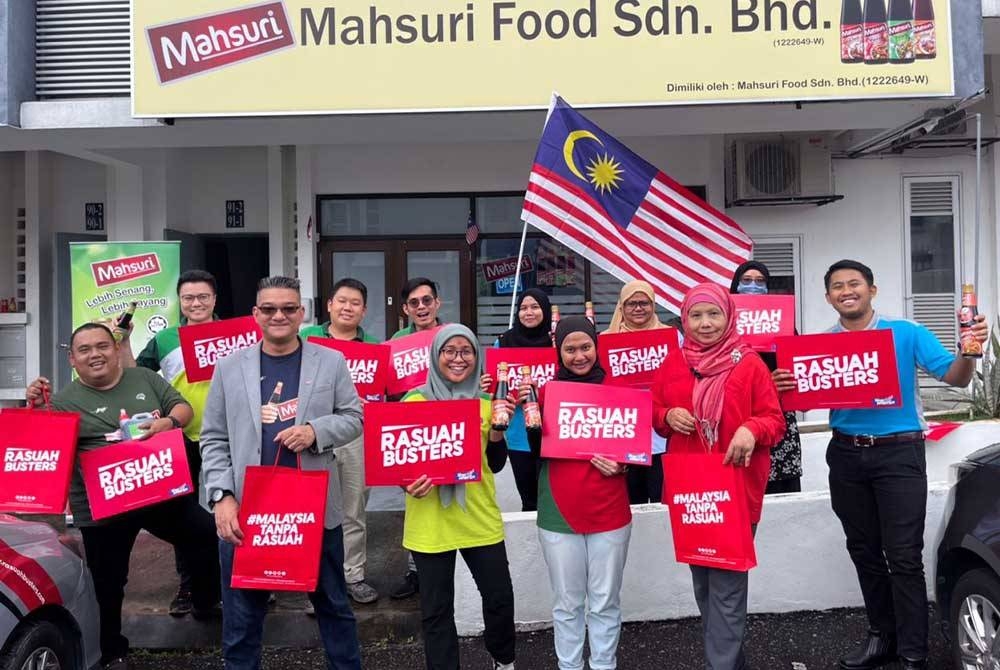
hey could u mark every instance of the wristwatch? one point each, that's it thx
(218, 495)
(173, 420)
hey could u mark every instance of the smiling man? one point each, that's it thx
(420, 304)
(878, 475)
(316, 411)
(102, 391)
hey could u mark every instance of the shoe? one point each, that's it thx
(121, 663)
(213, 613)
(908, 664)
(497, 665)
(877, 650)
(310, 609)
(181, 604)
(271, 600)
(409, 586)
(362, 592)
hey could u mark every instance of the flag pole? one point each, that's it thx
(524, 234)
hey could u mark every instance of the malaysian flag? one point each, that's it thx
(591, 193)
(471, 229)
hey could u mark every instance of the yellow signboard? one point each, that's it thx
(224, 57)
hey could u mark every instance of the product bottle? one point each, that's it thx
(876, 33)
(852, 32)
(121, 326)
(269, 412)
(924, 29)
(501, 416)
(555, 322)
(900, 31)
(276, 394)
(970, 347)
(12, 306)
(588, 311)
(3, 306)
(532, 412)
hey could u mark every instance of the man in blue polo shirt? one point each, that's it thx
(878, 475)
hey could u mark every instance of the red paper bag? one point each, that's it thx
(709, 518)
(281, 516)
(126, 476)
(37, 448)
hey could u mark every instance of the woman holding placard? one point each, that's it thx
(636, 311)
(714, 396)
(531, 329)
(441, 521)
(584, 525)
(753, 278)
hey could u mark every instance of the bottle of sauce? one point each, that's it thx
(532, 411)
(269, 412)
(924, 29)
(876, 33)
(852, 32)
(900, 31)
(501, 415)
(555, 322)
(121, 326)
(969, 345)
(588, 311)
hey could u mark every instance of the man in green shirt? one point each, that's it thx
(196, 291)
(102, 392)
(347, 307)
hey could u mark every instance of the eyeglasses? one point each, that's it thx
(271, 310)
(636, 305)
(201, 297)
(759, 281)
(426, 301)
(465, 354)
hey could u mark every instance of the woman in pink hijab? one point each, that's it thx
(715, 394)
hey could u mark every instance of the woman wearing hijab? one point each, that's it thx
(584, 525)
(636, 311)
(531, 329)
(441, 521)
(753, 278)
(715, 395)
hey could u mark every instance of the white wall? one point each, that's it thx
(74, 183)
(802, 562)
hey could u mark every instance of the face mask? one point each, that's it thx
(751, 289)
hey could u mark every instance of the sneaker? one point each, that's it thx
(497, 665)
(408, 587)
(362, 592)
(181, 604)
(310, 609)
(121, 663)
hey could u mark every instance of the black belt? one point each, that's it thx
(879, 440)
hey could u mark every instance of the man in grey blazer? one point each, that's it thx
(274, 402)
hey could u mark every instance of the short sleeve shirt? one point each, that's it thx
(916, 347)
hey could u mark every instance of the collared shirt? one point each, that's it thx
(323, 330)
(916, 346)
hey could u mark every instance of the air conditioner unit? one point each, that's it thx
(779, 170)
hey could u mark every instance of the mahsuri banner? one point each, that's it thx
(107, 276)
(232, 58)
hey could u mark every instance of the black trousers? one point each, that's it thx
(182, 523)
(526, 467)
(645, 483)
(880, 496)
(186, 566)
(491, 573)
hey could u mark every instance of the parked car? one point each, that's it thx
(967, 580)
(48, 611)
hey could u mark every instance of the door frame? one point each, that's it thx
(395, 251)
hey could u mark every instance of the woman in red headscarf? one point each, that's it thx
(715, 394)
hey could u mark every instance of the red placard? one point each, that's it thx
(851, 370)
(762, 318)
(438, 438)
(37, 449)
(129, 475)
(368, 363)
(203, 344)
(938, 430)
(632, 359)
(580, 421)
(541, 360)
(281, 516)
(409, 361)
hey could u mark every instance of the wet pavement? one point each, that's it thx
(796, 641)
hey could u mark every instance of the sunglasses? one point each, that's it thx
(426, 301)
(271, 310)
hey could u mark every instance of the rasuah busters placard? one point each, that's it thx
(216, 57)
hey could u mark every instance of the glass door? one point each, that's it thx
(448, 263)
(369, 262)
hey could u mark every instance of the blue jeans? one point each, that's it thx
(243, 612)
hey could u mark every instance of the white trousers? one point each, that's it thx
(351, 470)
